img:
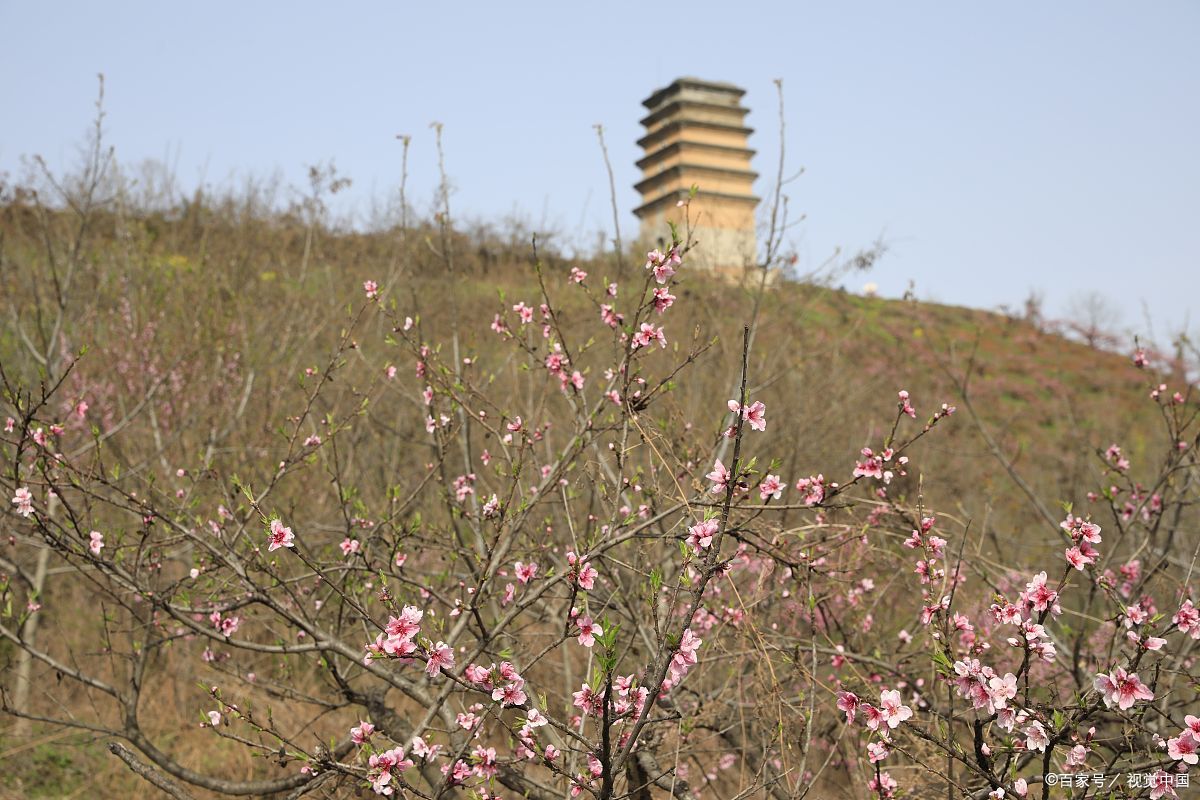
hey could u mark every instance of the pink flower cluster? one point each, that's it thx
(1084, 534)
(506, 685)
(396, 640)
(982, 686)
(684, 659)
(627, 698)
(383, 766)
(610, 317)
(933, 546)
(527, 737)
(813, 489)
(584, 574)
(361, 733)
(883, 718)
(663, 266)
(754, 414)
(1115, 459)
(557, 364)
(872, 465)
(647, 335)
(226, 625)
(1188, 619)
(1036, 640)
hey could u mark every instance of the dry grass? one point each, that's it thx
(218, 311)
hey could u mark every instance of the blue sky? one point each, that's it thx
(998, 149)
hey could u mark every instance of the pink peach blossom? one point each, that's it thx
(280, 536)
(1122, 688)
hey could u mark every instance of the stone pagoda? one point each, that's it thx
(696, 136)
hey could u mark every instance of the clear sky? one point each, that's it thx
(1001, 149)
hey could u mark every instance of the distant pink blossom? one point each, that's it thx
(610, 317)
(1114, 457)
(23, 500)
(524, 313)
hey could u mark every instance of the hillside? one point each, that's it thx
(196, 329)
(231, 283)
